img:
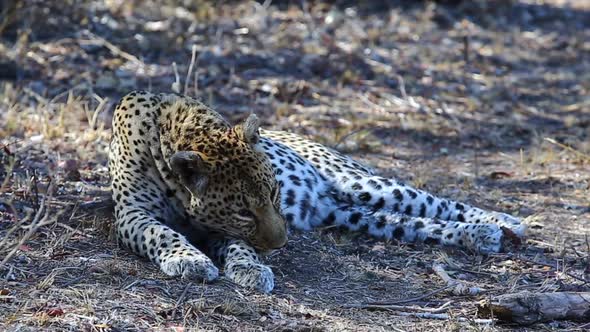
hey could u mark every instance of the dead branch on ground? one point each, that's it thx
(529, 308)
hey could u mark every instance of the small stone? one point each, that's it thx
(36, 138)
(69, 164)
(72, 176)
(70, 168)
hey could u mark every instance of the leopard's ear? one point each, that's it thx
(192, 171)
(247, 131)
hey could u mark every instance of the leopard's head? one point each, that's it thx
(232, 183)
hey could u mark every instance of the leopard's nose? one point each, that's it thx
(274, 241)
(281, 244)
(271, 230)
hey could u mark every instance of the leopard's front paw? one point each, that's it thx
(190, 267)
(251, 275)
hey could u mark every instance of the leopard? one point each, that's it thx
(194, 194)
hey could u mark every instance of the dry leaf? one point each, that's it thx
(54, 312)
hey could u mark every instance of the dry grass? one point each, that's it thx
(478, 102)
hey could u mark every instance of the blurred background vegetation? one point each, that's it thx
(484, 101)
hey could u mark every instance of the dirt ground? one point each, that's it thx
(482, 101)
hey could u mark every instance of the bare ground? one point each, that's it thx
(483, 101)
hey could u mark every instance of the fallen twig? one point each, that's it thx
(17, 226)
(73, 230)
(354, 132)
(569, 148)
(176, 85)
(181, 299)
(115, 49)
(394, 307)
(397, 302)
(190, 69)
(459, 288)
(98, 204)
(40, 218)
(428, 315)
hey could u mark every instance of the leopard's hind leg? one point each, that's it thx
(388, 195)
(387, 208)
(481, 238)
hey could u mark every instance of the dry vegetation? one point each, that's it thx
(484, 101)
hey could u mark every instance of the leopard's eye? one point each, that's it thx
(245, 213)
